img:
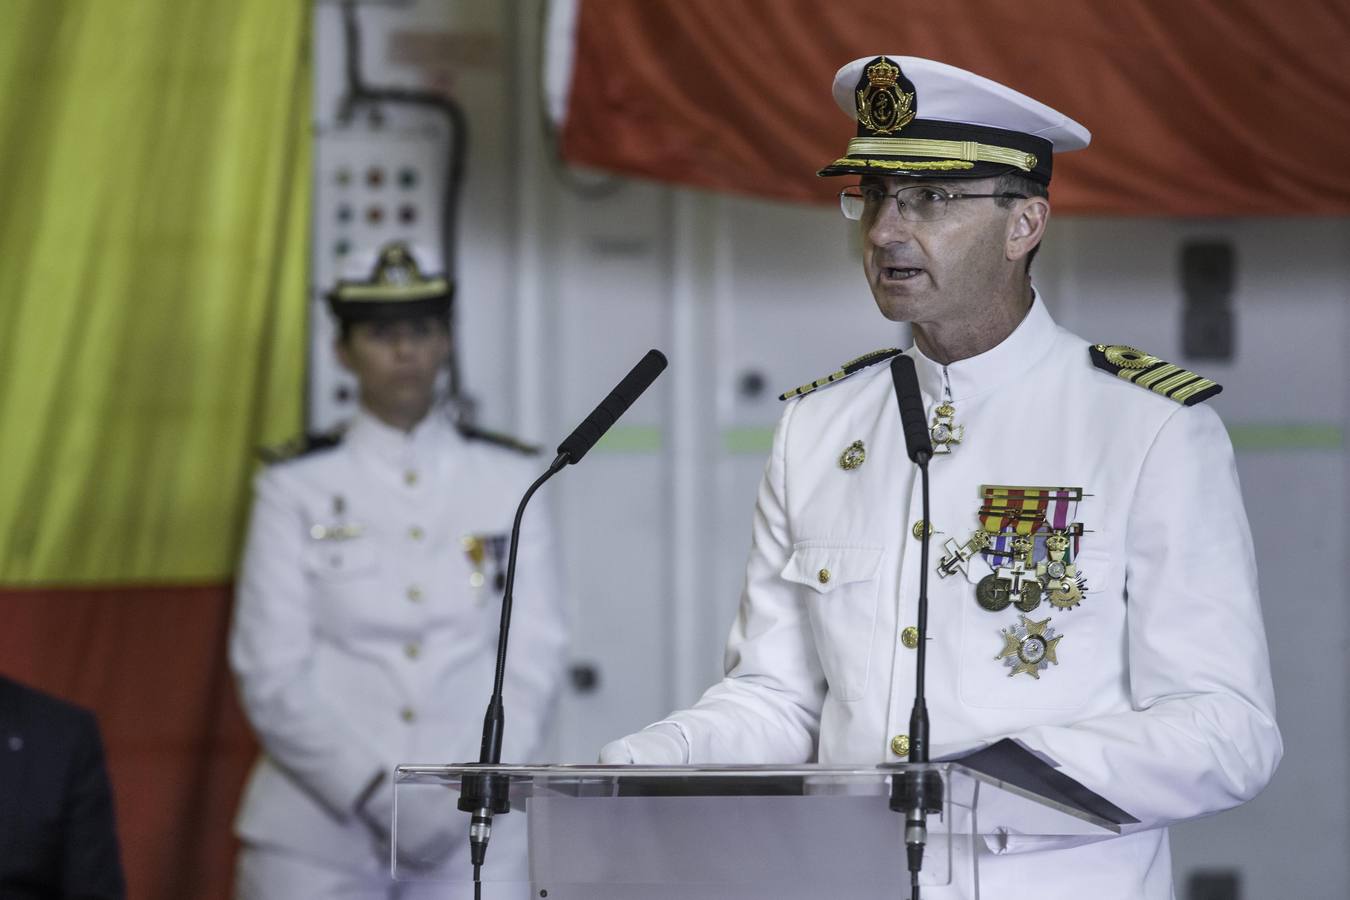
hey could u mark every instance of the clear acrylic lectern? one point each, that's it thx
(761, 832)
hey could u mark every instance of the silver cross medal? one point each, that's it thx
(958, 555)
(1023, 585)
(944, 431)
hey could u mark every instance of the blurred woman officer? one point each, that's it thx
(366, 616)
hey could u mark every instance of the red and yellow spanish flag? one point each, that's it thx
(1219, 111)
(152, 300)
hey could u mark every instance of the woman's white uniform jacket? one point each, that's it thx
(1160, 697)
(365, 626)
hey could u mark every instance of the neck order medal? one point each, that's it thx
(944, 431)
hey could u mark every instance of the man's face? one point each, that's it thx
(939, 272)
(395, 362)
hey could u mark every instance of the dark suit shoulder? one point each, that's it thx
(22, 703)
(61, 834)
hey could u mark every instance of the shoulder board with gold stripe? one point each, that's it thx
(474, 433)
(848, 368)
(300, 446)
(1157, 375)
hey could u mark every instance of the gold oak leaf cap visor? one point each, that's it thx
(394, 287)
(917, 117)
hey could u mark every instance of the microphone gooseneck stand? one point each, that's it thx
(916, 792)
(486, 795)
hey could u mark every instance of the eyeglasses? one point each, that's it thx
(921, 203)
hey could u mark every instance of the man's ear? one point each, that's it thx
(1026, 226)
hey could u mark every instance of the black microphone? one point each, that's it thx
(484, 796)
(918, 792)
(917, 440)
(616, 404)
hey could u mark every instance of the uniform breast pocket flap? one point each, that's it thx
(826, 568)
(341, 560)
(842, 603)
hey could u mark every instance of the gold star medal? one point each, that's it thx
(1029, 647)
(853, 456)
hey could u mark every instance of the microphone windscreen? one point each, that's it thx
(907, 394)
(576, 445)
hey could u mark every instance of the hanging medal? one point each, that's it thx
(959, 555)
(1011, 516)
(475, 548)
(944, 431)
(1058, 574)
(1064, 583)
(1023, 586)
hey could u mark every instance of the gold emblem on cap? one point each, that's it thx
(882, 106)
(854, 455)
(396, 278)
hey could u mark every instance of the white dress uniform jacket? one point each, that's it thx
(365, 634)
(1161, 699)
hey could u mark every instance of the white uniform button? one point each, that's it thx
(414, 593)
(900, 745)
(910, 637)
(476, 580)
(407, 714)
(416, 533)
(823, 576)
(920, 527)
(410, 478)
(411, 650)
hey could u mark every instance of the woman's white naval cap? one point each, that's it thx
(395, 281)
(919, 117)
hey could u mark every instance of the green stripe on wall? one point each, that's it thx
(1250, 436)
(1288, 436)
(632, 439)
(747, 440)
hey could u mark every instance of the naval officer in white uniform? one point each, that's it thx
(365, 625)
(1093, 587)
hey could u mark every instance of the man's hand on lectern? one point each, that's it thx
(661, 744)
